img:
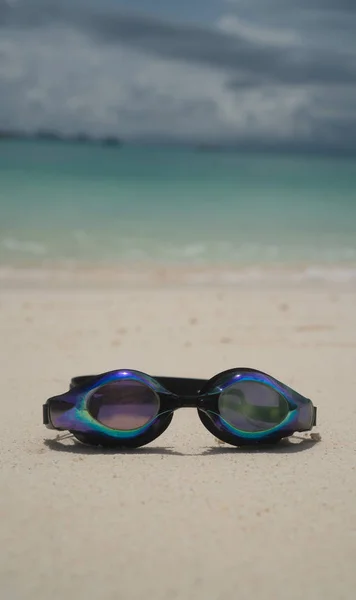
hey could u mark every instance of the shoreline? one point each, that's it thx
(149, 275)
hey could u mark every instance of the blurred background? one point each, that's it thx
(199, 133)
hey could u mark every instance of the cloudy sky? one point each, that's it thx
(260, 72)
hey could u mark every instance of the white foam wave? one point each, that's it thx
(24, 247)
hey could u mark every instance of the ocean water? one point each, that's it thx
(65, 204)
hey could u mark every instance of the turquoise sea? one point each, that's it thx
(71, 204)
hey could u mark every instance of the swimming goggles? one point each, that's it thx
(129, 409)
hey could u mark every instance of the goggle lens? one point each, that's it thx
(251, 406)
(124, 405)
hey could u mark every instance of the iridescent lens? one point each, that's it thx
(124, 405)
(252, 406)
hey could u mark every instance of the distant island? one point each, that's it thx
(52, 136)
(243, 146)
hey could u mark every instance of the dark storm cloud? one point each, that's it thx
(207, 46)
(277, 72)
(285, 5)
(325, 24)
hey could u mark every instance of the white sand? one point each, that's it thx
(183, 518)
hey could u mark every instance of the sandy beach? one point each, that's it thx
(184, 517)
